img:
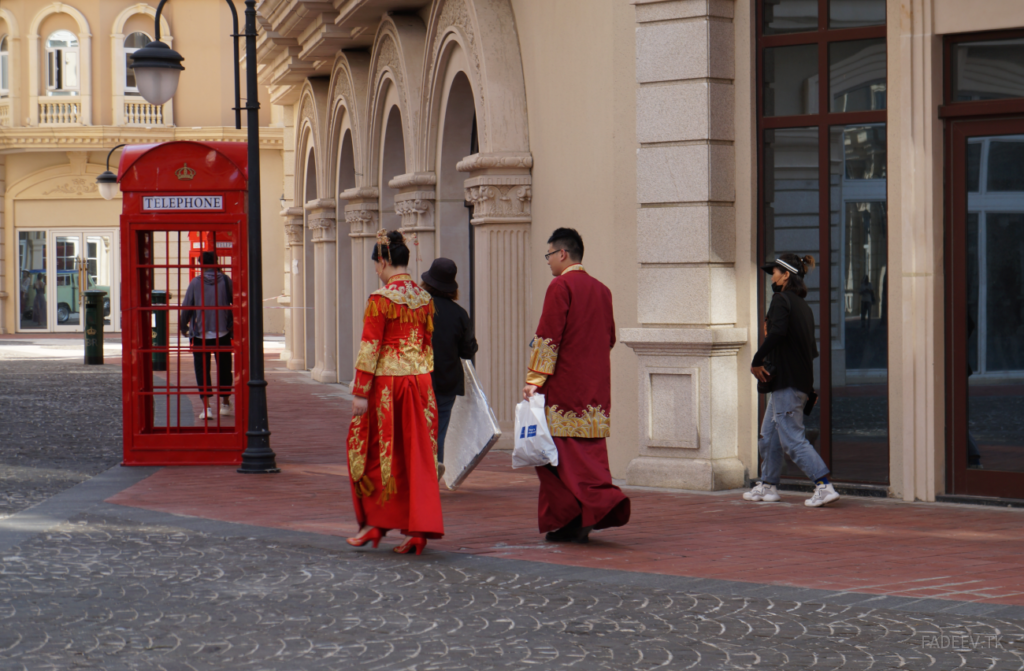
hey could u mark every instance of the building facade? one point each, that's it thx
(688, 141)
(66, 99)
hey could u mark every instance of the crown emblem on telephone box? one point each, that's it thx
(185, 172)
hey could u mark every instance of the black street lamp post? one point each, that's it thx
(157, 68)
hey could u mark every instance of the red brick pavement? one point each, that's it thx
(965, 553)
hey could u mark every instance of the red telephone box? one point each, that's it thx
(181, 199)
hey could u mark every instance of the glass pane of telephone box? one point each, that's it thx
(995, 304)
(187, 377)
(791, 191)
(859, 303)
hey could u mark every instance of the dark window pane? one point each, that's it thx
(791, 80)
(1006, 165)
(988, 70)
(32, 282)
(864, 152)
(856, 75)
(855, 13)
(859, 303)
(790, 16)
(791, 189)
(973, 166)
(995, 306)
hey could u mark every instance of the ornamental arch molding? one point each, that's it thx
(396, 61)
(85, 49)
(347, 109)
(137, 111)
(485, 31)
(13, 32)
(309, 134)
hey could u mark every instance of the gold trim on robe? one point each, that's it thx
(573, 268)
(543, 357)
(536, 379)
(368, 353)
(594, 422)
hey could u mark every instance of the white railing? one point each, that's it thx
(143, 114)
(5, 113)
(63, 113)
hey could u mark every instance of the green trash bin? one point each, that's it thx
(159, 331)
(94, 327)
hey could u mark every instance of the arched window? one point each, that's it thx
(62, 64)
(5, 67)
(132, 43)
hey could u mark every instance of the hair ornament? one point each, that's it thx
(383, 244)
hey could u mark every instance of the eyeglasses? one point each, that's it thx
(548, 255)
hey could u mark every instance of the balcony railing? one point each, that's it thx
(5, 113)
(140, 113)
(62, 113)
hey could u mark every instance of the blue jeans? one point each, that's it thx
(444, 415)
(783, 430)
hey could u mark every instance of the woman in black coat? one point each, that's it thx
(453, 341)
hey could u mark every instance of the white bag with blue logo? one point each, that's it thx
(534, 445)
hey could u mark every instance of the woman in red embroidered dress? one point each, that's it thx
(392, 441)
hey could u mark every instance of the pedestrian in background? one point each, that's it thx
(392, 441)
(784, 366)
(453, 340)
(571, 365)
(208, 322)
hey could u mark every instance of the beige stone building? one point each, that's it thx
(688, 141)
(66, 99)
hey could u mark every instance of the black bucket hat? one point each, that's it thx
(441, 275)
(781, 265)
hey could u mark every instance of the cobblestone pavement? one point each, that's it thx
(60, 421)
(106, 592)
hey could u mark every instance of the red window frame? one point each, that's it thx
(823, 120)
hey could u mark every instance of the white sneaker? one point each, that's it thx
(822, 494)
(763, 492)
(207, 413)
(225, 409)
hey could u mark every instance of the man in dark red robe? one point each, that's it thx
(571, 365)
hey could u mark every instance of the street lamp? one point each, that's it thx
(157, 68)
(107, 181)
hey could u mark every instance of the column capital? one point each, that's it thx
(362, 218)
(293, 229)
(500, 199)
(504, 161)
(413, 180)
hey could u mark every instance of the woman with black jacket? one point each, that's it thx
(784, 367)
(453, 341)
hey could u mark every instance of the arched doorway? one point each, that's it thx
(454, 238)
(346, 335)
(392, 164)
(309, 267)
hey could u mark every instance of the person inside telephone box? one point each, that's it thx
(207, 322)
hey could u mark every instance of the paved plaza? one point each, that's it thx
(202, 568)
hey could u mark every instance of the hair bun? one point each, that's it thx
(809, 263)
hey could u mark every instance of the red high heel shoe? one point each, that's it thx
(371, 534)
(412, 543)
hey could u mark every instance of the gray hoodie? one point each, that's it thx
(216, 292)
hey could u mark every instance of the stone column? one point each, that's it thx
(295, 336)
(499, 188)
(686, 300)
(415, 204)
(320, 221)
(363, 219)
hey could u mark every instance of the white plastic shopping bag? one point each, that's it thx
(534, 445)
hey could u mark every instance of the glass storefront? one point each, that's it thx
(56, 268)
